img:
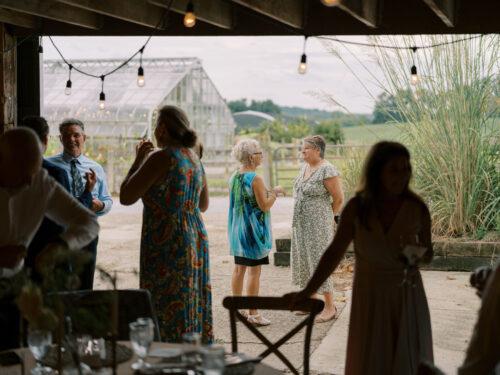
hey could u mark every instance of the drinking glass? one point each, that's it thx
(141, 337)
(191, 354)
(39, 342)
(213, 360)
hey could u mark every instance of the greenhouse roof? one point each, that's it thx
(125, 101)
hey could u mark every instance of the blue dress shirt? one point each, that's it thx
(84, 164)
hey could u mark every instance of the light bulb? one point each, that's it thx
(190, 17)
(67, 90)
(303, 64)
(140, 77)
(330, 3)
(414, 76)
(102, 101)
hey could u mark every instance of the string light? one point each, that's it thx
(140, 72)
(303, 59)
(102, 96)
(414, 76)
(40, 46)
(67, 90)
(330, 3)
(190, 17)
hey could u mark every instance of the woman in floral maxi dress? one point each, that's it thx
(174, 261)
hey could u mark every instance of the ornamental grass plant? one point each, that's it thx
(451, 124)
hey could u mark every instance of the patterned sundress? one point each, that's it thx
(249, 228)
(312, 224)
(174, 264)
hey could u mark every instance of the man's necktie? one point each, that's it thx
(77, 182)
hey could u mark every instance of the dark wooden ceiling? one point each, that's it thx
(251, 17)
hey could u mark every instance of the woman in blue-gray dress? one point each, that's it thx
(249, 224)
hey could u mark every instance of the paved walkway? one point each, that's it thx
(453, 304)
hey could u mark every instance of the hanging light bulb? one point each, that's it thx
(140, 72)
(40, 46)
(414, 76)
(102, 96)
(303, 59)
(303, 64)
(102, 101)
(190, 17)
(67, 90)
(330, 3)
(140, 77)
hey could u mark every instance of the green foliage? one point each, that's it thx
(331, 131)
(285, 133)
(456, 153)
(388, 106)
(266, 106)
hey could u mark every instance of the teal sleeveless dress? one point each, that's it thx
(174, 263)
(249, 228)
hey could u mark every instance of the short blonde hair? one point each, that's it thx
(244, 149)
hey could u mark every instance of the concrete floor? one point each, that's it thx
(453, 304)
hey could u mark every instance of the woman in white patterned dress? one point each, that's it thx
(318, 198)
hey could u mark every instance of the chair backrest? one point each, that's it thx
(90, 310)
(312, 306)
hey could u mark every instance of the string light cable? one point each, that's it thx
(163, 20)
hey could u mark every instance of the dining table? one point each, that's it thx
(124, 368)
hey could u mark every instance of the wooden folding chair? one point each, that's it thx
(313, 306)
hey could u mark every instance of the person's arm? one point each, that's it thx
(265, 198)
(141, 176)
(103, 203)
(425, 235)
(204, 199)
(334, 187)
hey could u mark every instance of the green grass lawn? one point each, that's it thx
(368, 134)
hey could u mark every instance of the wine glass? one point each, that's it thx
(39, 342)
(213, 360)
(191, 356)
(141, 337)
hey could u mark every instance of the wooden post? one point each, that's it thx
(267, 164)
(8, 102)
(28, 79)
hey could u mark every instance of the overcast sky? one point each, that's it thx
(246, 67)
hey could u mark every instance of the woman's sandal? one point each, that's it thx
(243, 313)
(320, 319)
(258, 320)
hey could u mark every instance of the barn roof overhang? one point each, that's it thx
(250, 17)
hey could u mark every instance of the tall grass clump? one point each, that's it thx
(452, 128)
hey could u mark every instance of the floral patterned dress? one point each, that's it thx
(312, 225)
(174, 263)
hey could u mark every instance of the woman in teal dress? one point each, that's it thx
(174, 262)
(249, 223)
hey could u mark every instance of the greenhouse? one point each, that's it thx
(129, 110)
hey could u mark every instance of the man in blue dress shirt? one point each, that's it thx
(48, 229)
(79, 168)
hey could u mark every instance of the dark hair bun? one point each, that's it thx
(189, 138)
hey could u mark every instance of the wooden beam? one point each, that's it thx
(56, 11)
(18, 19)
(365, 11)
(289, 12)
(444, 9)
(136, 11)
(214, 12)
(8, 92)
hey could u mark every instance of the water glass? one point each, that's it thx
(141, 337)
(39, 342)
(191, 354)
(213, 360)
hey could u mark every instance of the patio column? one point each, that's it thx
(28, 79)
(8, 102)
